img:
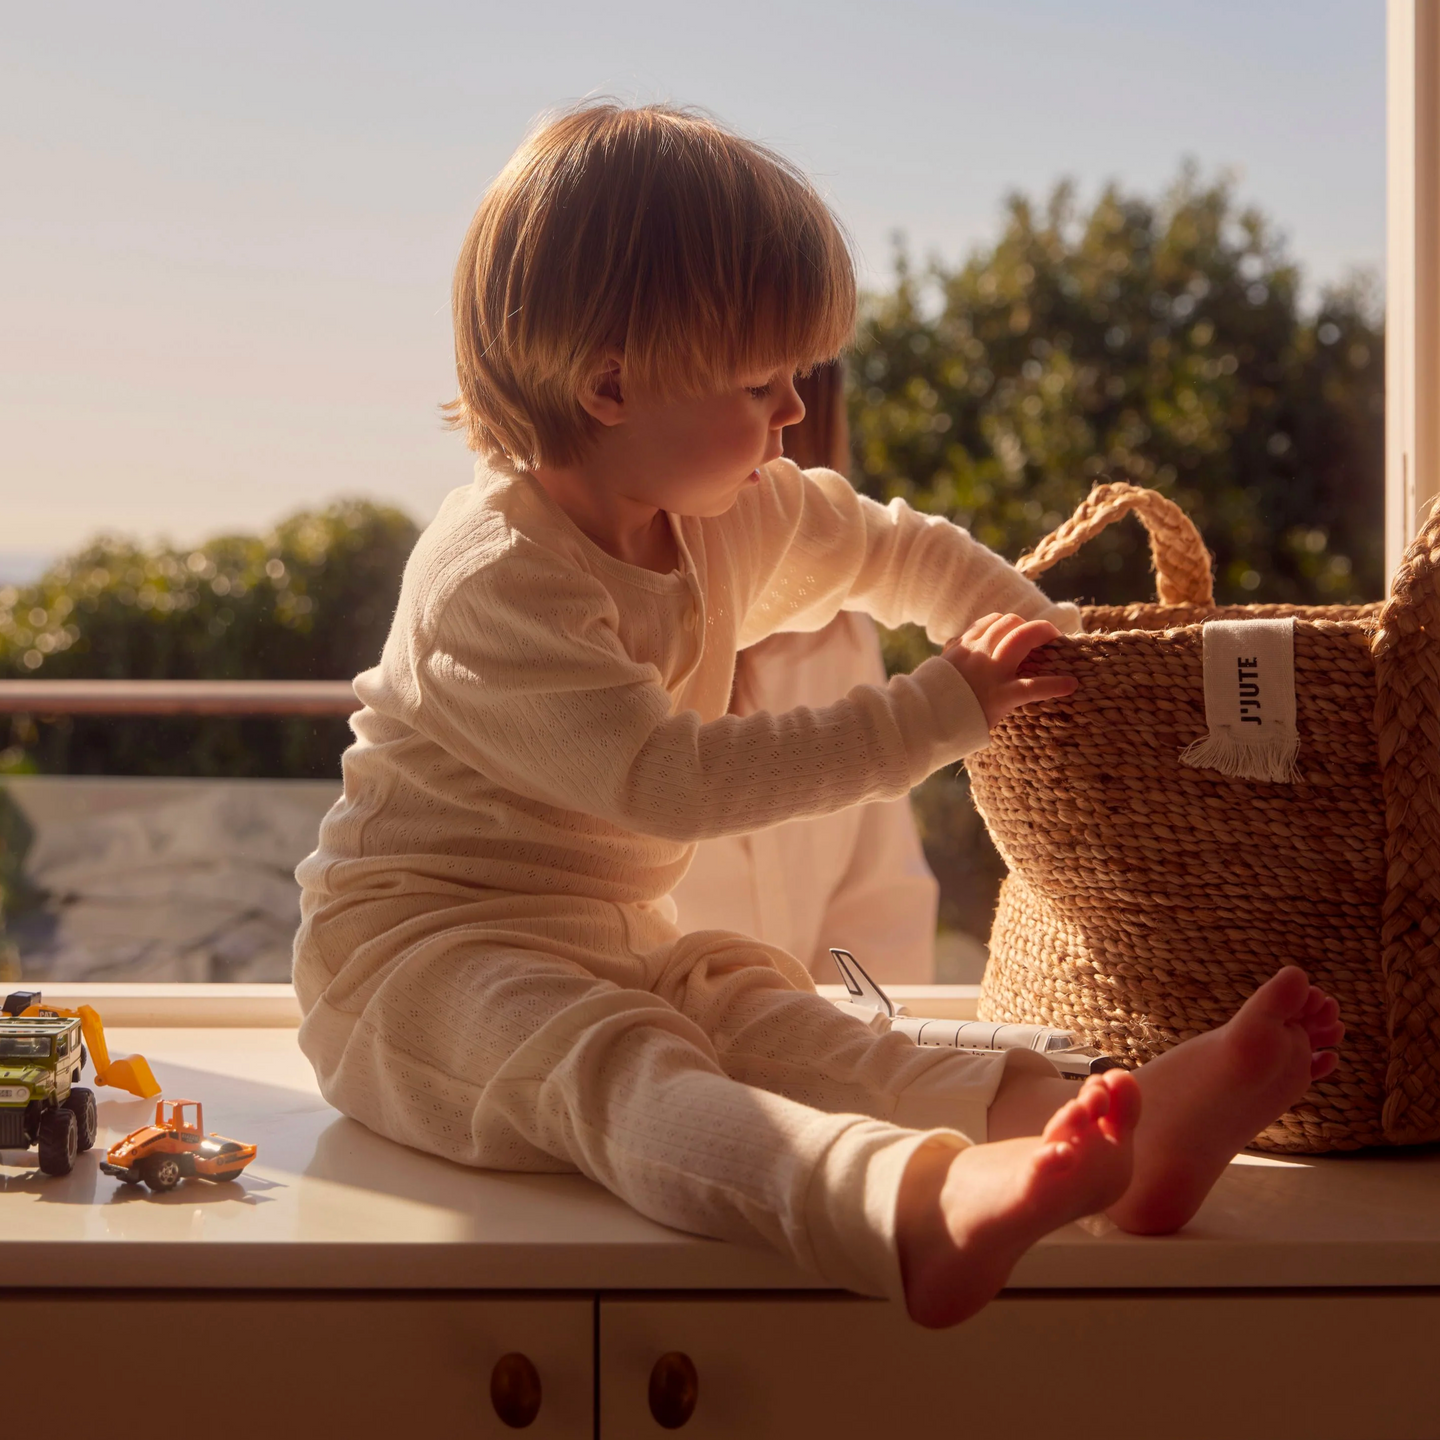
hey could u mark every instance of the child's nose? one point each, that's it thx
(791, 410)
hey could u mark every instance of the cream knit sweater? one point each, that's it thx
(487, 958)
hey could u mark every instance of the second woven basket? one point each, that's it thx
(1146, 899)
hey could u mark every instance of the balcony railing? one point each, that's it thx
(177, 697)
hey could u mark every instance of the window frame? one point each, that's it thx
(1412, 280)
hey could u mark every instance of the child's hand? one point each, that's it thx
(989, 653)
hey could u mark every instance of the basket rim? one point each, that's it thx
(1365, 622)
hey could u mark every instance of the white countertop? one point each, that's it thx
(328, 1204)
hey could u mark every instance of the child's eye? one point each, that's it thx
(759, 392)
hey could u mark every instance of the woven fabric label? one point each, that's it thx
(1249, 701)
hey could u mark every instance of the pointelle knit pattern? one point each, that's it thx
(487, 960)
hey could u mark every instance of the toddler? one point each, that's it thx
(488, 962)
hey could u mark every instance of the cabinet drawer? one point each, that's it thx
(235, 1364)
(1255, 1364)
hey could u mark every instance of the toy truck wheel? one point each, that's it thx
(82, 1105)
(59, 1142)
(161, 1172)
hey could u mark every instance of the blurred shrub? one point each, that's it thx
(309, 600)
(1158, 342)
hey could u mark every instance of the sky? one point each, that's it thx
(227, 232)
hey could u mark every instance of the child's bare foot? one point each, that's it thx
(965, 1219)
(1211, 1096)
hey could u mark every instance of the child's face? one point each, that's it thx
(695, 456)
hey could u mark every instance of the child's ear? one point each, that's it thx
(601, 396)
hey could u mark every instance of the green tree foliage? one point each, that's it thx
(1162, 343)
(310, 600)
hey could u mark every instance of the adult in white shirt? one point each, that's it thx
(858, 878)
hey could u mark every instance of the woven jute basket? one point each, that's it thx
(1146, 899)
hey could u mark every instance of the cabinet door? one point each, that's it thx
(236, 1364)
(1320, 1365)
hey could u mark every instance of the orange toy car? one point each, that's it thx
(166, 1152)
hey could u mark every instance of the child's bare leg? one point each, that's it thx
(964, 1219)
(1211, 1096)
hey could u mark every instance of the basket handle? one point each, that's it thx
(1182, 563)
(1406, 647)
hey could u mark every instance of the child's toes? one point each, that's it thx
(1123, 1113)
(1319, 1009)
(1055, 1158)
(1325, 1021)
(1070, 1122)
(1088, 1108)
(1323, 1025)
(1323, 1063)
(1094, 1097)
(1283, 996)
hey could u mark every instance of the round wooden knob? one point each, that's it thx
(515, 1390)
(674, 1389)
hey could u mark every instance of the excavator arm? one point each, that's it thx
(128, 1072)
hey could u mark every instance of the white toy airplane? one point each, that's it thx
(868, 1000)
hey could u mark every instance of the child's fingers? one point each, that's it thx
(989, 632)
(978, 628)
(1036, 688)
(996, 631)
(986, 632)
(1020, 640)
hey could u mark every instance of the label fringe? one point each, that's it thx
(1273, 760)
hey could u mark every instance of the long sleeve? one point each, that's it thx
(818, 548)
(522, 677)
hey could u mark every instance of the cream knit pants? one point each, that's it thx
(698, 1077)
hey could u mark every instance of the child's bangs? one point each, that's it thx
(797, 312)
(747, 271)
(806, 319)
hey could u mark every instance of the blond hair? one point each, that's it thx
(655, 232)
